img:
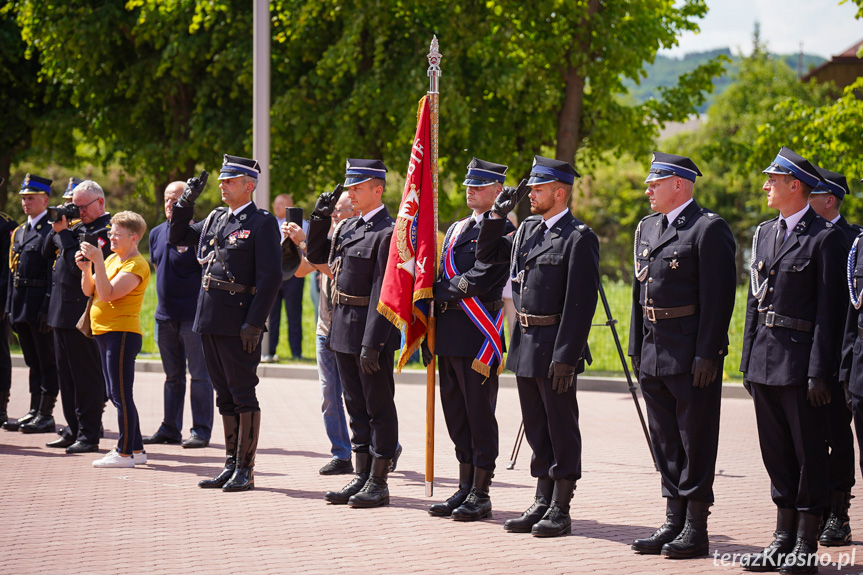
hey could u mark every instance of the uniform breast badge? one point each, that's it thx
(674, 264)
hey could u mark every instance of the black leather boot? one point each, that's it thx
(556, 521)
(692, 541)
(4, 402)
(35, 400)
(375, 492)
(772, 556)
(478, 504)
(804, 557)
(534, 513)
(231, 423)
(465, 479)
(837, 529)
(44, 420)
(363, 465)
(243, 478)
(675, 517)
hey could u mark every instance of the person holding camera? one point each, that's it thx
(27, 306)
(239, 247)
(82, 384)
(117, 285)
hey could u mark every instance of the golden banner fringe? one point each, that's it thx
(484, 369)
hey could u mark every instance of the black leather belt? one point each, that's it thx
(345, 299)
(527, 320)
(209, 282)
(773, 319)
(26, 282)
(656, 313)
(453, 305)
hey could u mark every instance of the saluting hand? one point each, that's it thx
(326, 203)
(194, 187)
(508, 198)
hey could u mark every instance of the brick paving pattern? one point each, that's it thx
(64, 516)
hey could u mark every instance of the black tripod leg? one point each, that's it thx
(632, 389)
(517, 447)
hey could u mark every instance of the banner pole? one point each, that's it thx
(434, 73)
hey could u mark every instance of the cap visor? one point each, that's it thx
(475, 183)
(354, 180)
(655, 177)
(774, 169)
(229, 175)
(542, 179)
(30, 192)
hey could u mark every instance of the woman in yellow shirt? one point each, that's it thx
(118, 283)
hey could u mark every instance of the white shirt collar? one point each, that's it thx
(672, 215)
(549, 223)
(33, 220)
(794, 219)
(836, 219)
(238, 210)
(368, 217)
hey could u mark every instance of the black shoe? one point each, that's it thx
(243, 478)
(375, 493)
(692, 541)
(61, 443)
(803, 559)
(224, 475)
(158, 438)
(395, 460)
(837, 529)
(772, 557)
(81, 447)
(337, 466)
(465, 480)
(534, 513)
(194, 442)
(39, 424)
(363, 468)
(556, 521)
(478, 504)
(675, 517)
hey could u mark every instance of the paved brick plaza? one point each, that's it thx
(64, 516)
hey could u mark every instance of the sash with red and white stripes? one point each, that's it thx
(491, 328)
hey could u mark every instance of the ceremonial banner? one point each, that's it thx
(406, 294)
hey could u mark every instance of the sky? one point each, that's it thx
(824, 27)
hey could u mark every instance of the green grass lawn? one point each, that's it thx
(605, 358)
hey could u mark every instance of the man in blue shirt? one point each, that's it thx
(178, 281)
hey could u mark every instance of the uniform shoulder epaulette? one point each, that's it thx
(263, 211)
(532, 218)
(653, 215)
(6, 217)
(708, 212)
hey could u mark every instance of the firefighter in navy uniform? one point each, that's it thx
(555, 264)
(468, 291)
(826, 200)
(682, 300)
(239, 250)
(7, 226)
(27, 306)
(795, 313)
(362, 339)
(82, 384)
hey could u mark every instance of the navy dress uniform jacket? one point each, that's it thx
(7, 227)
(852, 231)
(24, 304)
(364, 253)
(561, 276)
(249, 242)
(457, 334)
(68, 302)
(805, 281)
(691, 263)
(852, 344)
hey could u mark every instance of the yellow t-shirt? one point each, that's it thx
(123, 314)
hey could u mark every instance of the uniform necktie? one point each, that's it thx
(780, 236)
(360, 223)
(664, 225)
(540, 234)
(470, 224)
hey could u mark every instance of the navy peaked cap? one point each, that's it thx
(546, 170)
(482, 173)
(70, 187)
(35, 185)
(358, 171)
(666, 165)
(832, 183)
(235, 166)
(790, 162)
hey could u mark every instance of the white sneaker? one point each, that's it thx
(114, 459)
(140, 458)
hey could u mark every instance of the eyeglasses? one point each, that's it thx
(84, 207)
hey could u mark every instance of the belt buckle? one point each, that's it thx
(770, 319)
(650, 311)
(522, 320)
(205, 283)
